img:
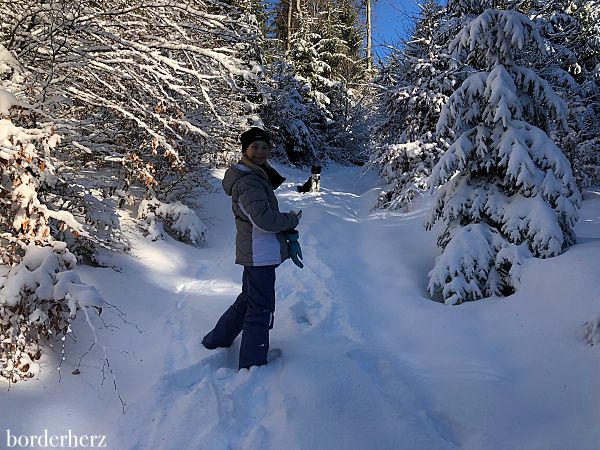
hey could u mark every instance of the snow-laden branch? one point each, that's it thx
(156, 74)
(494, 38)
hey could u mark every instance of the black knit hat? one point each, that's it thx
(254, 134)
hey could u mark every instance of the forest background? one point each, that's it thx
(121, 106)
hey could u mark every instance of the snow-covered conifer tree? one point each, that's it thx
(571, 30)
(415, 86)
(324, 59)
(292, 115)
(587, 162)
(348, 134)
(582, 142)
(506, 190)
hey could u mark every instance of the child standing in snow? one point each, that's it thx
(265, 238)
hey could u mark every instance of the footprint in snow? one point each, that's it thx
(222, 363)
(300, 315)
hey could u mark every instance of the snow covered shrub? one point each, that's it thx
(405, 169)
(39, 292)
(39, 298)
(178, 218)
(153, 79)
(36, 296)
(24, 218)
(506, 190)
(145, 94)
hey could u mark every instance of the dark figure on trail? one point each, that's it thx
(265, 238)
(313, 184)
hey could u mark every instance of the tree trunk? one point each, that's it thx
(369, 56)
(289, 27)
(289, 20)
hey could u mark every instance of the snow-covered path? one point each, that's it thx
(368, 361)
(334, 387)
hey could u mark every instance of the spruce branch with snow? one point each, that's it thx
(505, 189)
(571, 31)
(414, 86)
(313, 101)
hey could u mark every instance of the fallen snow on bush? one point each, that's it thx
(179, 218)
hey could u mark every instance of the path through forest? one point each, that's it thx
(368, 360)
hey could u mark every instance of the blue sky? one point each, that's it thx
(391, 22)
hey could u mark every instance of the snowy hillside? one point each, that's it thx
(368, 361)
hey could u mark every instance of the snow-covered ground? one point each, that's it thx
(368, 361)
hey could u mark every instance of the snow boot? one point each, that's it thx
(229, 325)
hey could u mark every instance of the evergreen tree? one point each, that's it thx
(416, 84)
(296, 121)
(506, 190)
(341, 49)
(573, 39)
(325, 60)
(258, 9)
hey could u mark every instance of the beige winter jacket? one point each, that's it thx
(260, 238)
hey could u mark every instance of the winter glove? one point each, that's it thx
(294, 248)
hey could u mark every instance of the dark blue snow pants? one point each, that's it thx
(251, 314)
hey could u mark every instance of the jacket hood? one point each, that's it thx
(243, 168)
(232, 175)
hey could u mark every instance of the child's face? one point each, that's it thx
(258, 152)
